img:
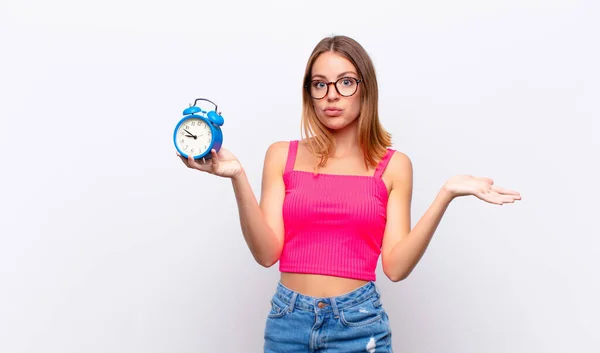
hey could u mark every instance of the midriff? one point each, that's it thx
(319, 285)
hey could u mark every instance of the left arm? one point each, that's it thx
(402, 247)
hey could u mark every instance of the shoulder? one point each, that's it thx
(276, 154)
(399, 161)
(278, 149)
(400, 170)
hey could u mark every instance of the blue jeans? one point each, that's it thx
(352, 322)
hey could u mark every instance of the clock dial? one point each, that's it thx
(194, 136)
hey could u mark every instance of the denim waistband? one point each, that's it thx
(295, 300)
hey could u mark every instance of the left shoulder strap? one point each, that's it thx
(383, 163)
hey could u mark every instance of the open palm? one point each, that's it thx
(480, 187)
(223, 164)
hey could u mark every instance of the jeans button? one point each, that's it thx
(321, 305)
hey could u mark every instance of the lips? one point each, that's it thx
(333, 111)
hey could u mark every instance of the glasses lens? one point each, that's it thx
(318, 89)
(346, 86)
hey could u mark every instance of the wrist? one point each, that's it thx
(239, 176)
(446, 195)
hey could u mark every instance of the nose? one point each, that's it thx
(332, 92)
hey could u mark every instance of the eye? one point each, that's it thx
(318, 84)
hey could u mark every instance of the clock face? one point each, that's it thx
(194, 136)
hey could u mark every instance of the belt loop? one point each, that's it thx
(292, 302)
(377, 297)
(334, 307)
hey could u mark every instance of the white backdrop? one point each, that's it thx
(109, 244)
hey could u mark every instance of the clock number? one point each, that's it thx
(193, 123)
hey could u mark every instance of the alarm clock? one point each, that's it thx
(198, 132)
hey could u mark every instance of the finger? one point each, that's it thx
(184, 160)
(505, 198)
(511, 196)
(491, 199)
(200, 166)
(504, 191)
(214, 158)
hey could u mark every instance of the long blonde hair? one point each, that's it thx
(373, 138)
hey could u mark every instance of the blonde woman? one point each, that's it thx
(331, 204)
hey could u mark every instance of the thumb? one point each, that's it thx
(214, 159)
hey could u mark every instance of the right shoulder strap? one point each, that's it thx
(291, 157)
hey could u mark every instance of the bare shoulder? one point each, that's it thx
(278, 147)
(276, 155)
(400, 170)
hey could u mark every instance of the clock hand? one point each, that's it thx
(194, 136)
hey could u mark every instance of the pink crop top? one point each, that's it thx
(334, 223)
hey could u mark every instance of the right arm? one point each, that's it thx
(262, 223)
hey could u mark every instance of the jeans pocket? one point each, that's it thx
(362, 314)
(278, 309)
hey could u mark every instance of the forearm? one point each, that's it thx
(407, 252)
(260, 238)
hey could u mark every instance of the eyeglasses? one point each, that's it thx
(345, 86)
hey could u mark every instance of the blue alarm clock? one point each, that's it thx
(199, 131)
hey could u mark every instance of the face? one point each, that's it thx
(335, 110)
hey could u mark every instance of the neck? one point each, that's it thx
(346, 142)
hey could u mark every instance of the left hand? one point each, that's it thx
(480, 187)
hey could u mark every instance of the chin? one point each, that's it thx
(336, 123)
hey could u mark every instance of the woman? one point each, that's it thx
(331, 204)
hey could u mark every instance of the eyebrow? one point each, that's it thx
(340, 75)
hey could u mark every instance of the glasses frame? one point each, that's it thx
(334, 83)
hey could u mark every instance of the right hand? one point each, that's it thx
(223, 164)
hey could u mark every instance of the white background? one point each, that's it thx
(109, 244)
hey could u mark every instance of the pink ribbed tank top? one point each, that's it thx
(333, 223)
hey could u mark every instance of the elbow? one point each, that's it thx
(395, 275)
(266, 256)
(267, 261)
